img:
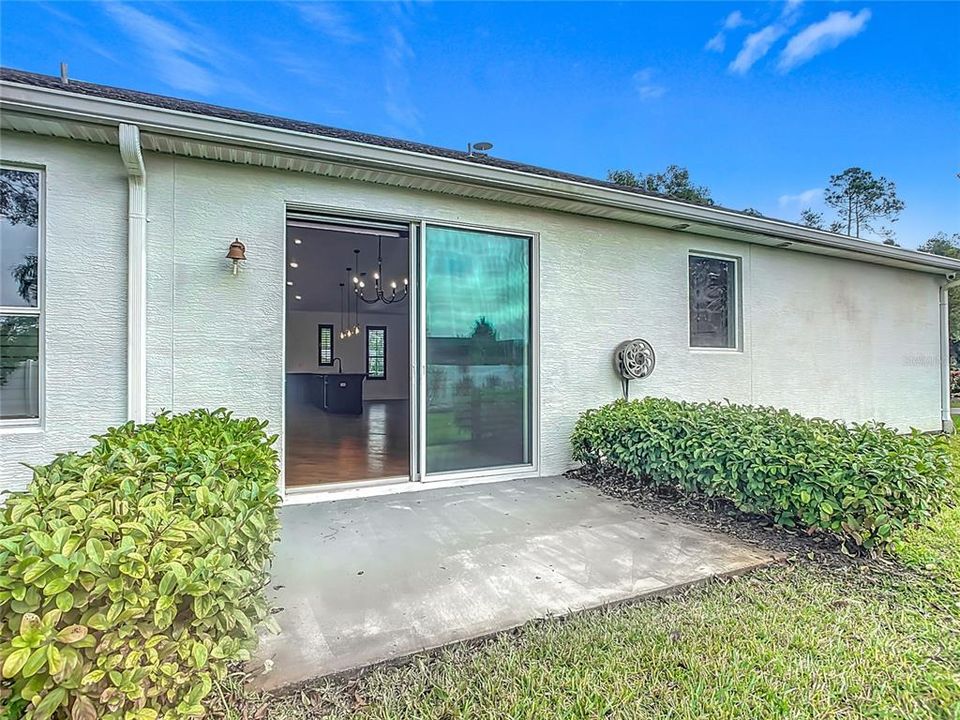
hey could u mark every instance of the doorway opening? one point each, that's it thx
(348, 388)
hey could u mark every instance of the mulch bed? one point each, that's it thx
(720, 515)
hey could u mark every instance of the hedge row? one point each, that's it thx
(862, 482)
(131, 575)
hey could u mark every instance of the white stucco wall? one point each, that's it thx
(84, 300)
(821, 336)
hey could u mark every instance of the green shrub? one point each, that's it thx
(862, 482)
(131, 575)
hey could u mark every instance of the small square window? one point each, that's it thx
(713, 302)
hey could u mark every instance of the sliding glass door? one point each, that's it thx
(478, 350)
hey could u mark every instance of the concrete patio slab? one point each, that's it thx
(370, 580)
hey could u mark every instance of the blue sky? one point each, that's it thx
(762, 101)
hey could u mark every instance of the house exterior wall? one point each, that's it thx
(821, 336)
(84, 300)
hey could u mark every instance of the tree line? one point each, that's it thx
(860, 201)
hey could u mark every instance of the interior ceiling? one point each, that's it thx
(322, 257)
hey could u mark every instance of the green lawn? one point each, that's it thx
(801, 640)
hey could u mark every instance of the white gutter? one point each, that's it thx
(245, 137)
(132, 157)
(946, 420)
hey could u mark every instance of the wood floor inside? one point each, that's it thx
(323, 448)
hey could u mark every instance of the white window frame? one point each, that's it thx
(737, 299)
(13, 425)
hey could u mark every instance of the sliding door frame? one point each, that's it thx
(417, 360)
(531, 469)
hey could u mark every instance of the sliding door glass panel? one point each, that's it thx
(478, 350)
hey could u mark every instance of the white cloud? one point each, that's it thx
(790, 9)
(755, 47)
(803, 199)
(647, 89)
(397, 55)
(75, 29)
(822, 36)
(718, 43)
(329, 20)
(734, 20)
(180, 59)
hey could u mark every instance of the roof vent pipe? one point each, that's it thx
(132, 156)
(63, 74)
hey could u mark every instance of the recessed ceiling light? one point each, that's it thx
(297, 297)
(289, 282)
(297, 241)
(294, 264)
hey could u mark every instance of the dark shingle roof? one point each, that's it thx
(78, 87)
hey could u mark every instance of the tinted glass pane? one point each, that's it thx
(19, 367)
(478, 350)
(712, 302)
(19, 237)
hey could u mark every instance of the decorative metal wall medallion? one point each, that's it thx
(633, 360)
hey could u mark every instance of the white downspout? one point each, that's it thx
(946, 421)
(132, 157)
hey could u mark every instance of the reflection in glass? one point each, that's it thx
(19, 367)
(478, 352)
(19, 237)
(712, 302)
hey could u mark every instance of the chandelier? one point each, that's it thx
(359, 285)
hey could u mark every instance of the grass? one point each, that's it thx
(802, 640)
(442, 428)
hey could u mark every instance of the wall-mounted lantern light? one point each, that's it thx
(237, 252)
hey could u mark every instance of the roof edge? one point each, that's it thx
(67, 104)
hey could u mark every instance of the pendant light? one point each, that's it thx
(348, 331)
(342, 295)
(356, 316)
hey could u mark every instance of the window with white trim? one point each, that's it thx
(713, 302)
(20, 295)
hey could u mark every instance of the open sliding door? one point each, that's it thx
(476, 353)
